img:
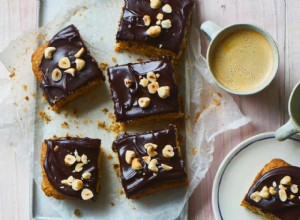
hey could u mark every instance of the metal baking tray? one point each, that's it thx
(46, 10)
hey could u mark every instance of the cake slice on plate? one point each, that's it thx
(274, 193)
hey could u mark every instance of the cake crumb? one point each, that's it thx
(85, 121)
(116, 166)
(197, 116)
(195, 151)
(105, 110)
(112, 204)
(219, 94)
(74, 112)
(12, 75)
(117, 127)
(101, 124)
(217, 102)
(103, 66)
(65, 125)
(140, 60)
(44, 116)
(114, 59)
(77, 212)
(122, 192)
(26, 98)
(111, 116)
(109, 156)
(117, 169)
(24, 87)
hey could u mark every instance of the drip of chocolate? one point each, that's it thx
(126, 99)
(288, 210)
(56, 169)
(133, 29)
(67, 43)
(137, 181)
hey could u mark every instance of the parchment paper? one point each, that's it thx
(209, 112)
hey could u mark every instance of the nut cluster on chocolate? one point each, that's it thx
(277, 192)
(149, 88)
(160, 23)
(149, 159)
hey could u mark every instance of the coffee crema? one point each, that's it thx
(243, 61)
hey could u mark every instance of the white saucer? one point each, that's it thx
(239, 168)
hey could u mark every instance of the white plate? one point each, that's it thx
(239, 168)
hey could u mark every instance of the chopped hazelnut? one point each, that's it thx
(86, 194)
(144, 82)
(136, 164)
(153, 165)
(49, 52)
(80, 64)
(168, 151)
(163, 92)
(79, 53)
(167, 8)
(129, 155)
(155, 4)
(128, 83)
(144, 102)
(56, 74)
(64, 63)
(151, 76)
(166, 167)
(152, 87)
(166, 24)
(69, 159)
(154, 31)
(147, 20)
(71, 71)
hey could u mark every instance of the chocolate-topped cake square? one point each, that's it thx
(274, 193)
(150, 162)
(71, 168)
(144, 91)
(155, 28)
(65, 68)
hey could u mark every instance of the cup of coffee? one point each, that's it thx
(293, 125)
(242, 59)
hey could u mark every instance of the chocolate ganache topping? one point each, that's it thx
(135, 181)
(67, 43)
(132, 26)
(285, 209)
(57, 170)
(125, 99)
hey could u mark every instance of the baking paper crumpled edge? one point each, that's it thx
(209, 112)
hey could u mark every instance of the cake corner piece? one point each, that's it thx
(71, 168)
(274, 192)
(156, 29)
